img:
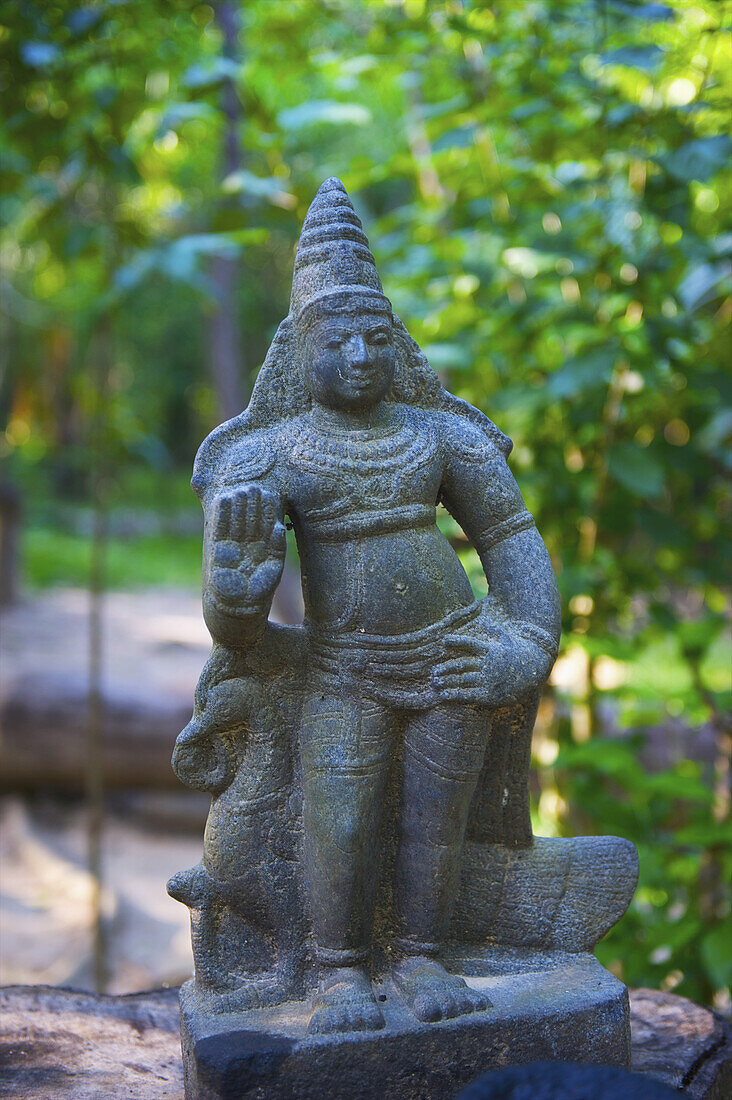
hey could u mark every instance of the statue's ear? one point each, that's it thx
(415, 383)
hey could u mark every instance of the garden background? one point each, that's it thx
(546, 187)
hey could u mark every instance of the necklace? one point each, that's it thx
(365, 451)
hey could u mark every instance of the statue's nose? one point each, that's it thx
(357, 351)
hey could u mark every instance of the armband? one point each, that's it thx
(506, 529)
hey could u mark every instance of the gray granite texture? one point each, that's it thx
(563, 1010)
(369, 770)
(565, 1081)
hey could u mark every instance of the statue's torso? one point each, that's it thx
(363, 507)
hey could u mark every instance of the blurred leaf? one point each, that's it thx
(698, 159)
(585, 373)
(462, 137)
(181, 255)
(82, 20)
(635, 57)
(703, 283)
(717, 433)
(129, 275)
(207, 75)
(696, 635)
(178, 260)
(447, 356)
(178, 113)
(636, 470)
(324, 111)
(123, 165)
(39, 54)
(270, 188)
(716, 951)
(650, 13)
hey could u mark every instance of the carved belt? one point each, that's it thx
(395, 668)
(379, 522)
(393, 643)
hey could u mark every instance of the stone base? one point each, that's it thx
(566, 1008)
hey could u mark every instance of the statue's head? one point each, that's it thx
(343, 319)
(340, 345)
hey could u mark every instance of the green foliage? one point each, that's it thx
(546, 187)
(685, 863)
(54, 557)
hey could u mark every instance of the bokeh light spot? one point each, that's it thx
(680, 91)
(677, 432)
(707, 200)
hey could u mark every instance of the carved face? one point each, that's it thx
(349, 359)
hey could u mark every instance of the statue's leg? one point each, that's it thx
(345, 744)
(500, 813)
(443, 755)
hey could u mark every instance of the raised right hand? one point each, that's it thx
(248, 548)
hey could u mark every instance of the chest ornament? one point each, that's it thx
(402, 448)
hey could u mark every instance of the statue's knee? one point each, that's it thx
(351, 833)
(335, 823)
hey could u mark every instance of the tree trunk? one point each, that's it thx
(224, 334)
(10, 517)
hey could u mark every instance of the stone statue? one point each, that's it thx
(369, 769)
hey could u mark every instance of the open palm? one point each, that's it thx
(249, 547)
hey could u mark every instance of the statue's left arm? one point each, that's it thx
(511, 648)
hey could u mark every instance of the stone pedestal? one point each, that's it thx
(561, 1007)
(60, 1044)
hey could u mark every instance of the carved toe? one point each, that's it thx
(425, 1008)
(433, 994)
(345, 1005)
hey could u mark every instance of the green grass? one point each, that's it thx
(52, 557)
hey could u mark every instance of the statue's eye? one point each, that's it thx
(379, 337)
(333, 344)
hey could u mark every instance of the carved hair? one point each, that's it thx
(279, 394)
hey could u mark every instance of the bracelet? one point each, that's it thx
(533, 633)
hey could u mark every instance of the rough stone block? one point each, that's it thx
(568, 1008)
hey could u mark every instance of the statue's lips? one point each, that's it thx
(360, 379)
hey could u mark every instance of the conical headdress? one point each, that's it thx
(333, 262)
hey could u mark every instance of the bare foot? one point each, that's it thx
(433, 993)
(345, 1002)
